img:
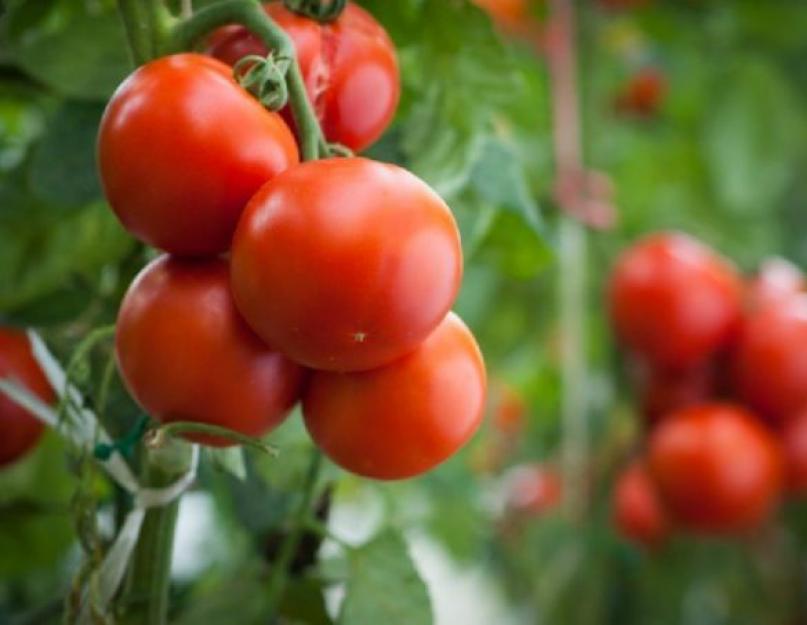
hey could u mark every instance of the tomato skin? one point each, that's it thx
(673, 301)
(638, 512)
(776, 280)
(346, 264)
(19, 429)
(404, 419)
(533, 489)
(794, 449)
(182, 148)
(185, 354)
(717, 468)
(664, 392)
(769, 364)
(349, 66)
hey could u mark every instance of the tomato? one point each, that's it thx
(19, 429)
(533, 489)
(776, 279)
(506, 12)
(346, 264)
(181, 150)
(406, 418)
(638, 512)
(349, 66)
(663, 392)
(770, 361)
(673, 301)
(644, 92)
(717, 468)
(510, 410)
(185, 354)
(794, 450)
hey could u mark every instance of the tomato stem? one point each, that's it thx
(277, 580)
(179, 428)
(250, 14)
(147, 25)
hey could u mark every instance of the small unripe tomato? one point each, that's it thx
(770, 361)
(643, 93)
(532, 489)
(403, 419)
(777, 279)
(19, 429)
(185, 353)
(349, 66)
(794, 450)
(717, 468)
(181, 149)
(638, 512)
(673, 301)
(346, 264)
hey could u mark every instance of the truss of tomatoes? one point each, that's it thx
(328, 282)
(720, 366)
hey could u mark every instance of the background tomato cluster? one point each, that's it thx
(695, 110)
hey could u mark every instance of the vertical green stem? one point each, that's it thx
(137, 25)
(288, 549)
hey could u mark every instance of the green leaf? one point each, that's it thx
(76, 48)
(230, 460)
(384, 586)
(62, 169)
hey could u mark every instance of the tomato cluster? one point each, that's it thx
(339, 274)
(720, 367)
(20, 429)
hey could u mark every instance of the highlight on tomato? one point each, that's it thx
(637, 510)
(346, 264)
(350, 69)
(717, 468)
(181, 149)
(20, 430)
(185, 353)
(406, 418)
(777, 279)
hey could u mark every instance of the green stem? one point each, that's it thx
(187, 33)
(146, 601)
(136, 24)
(178, 428)
(288, 549)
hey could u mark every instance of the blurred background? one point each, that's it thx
(693, 117)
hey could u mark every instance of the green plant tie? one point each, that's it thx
(124, 445)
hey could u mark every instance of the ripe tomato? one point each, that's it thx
(770, 360)
(643, 93)
(673, 301)
(716, 467)
(794, 449)
(776, 279)
(637, 509)
(181, 150)
(533, 489)
(185, 354)
(349, 66)
(19, 429)
(663, 392)
(406, 418)
(346, 264)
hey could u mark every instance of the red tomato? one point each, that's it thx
(181, 150)
(794, 449)
(346, 264)
(717, 468)
(663, 392)
(643, 93)
(776, 279)
(406, 418)
(673, 301)
(19, 429)
(770, 361)
(185, 354)
(349, 66)
(638, 512)
(507, 12)
(533, 489)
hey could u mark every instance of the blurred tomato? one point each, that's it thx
(776, 279)
(717, 468)
(509, 410)
(638, 512)
(511, 13)
(673, 301)
(532, 488)
(794, 449)
(663, 392)
(19, 429)
(643, 94)
(770, 361)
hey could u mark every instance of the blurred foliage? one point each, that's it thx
(722, 159)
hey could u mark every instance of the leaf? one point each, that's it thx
(62, 169)
(384, 586)
(76, 48)
(230, 460)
